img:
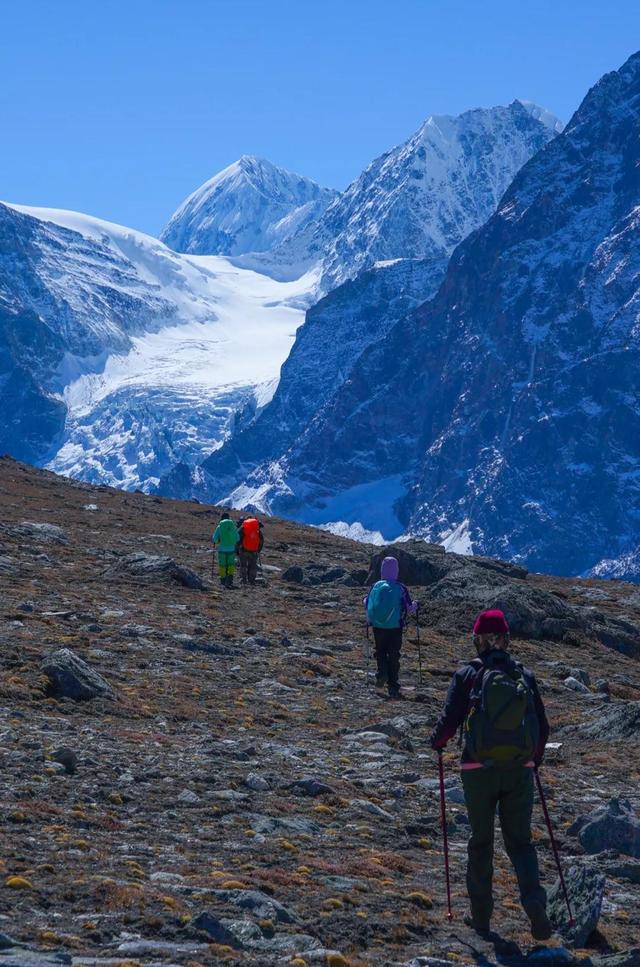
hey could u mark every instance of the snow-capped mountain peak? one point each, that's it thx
(250, 206)
(548, 118)
(421, 198)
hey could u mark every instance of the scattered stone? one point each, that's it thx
(70, 677)
(262, 906)
(163, 876)
(311, 787)
(256, 782)
(585, 886)
(256, 641)
(27, 607)
(614, 826)
(628, 958)
(363, 805)
(67, 758)
(7, 566)
(575, 685)
(188, 798)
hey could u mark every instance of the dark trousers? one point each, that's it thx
(388, 644)
(510, 791)
(248, 566)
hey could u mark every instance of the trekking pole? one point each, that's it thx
(419, 650)
(445, 838)
(554, 847)
(367, 647)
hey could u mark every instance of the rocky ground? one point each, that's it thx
(236, 790)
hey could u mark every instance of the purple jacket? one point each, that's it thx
(389, 571)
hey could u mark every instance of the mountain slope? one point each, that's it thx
(119, 357)
(420, 199)
(514, 422)
(256, 756)
(251, 206)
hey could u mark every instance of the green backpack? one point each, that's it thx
(228, 533)
(501, 728)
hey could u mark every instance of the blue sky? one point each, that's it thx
(122, 107)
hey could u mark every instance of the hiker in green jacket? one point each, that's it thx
(225, 538)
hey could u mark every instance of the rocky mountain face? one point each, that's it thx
(335, 332)
(420, 199)
(295, 811)
(512, 425)
(120, 358)
(251, 206)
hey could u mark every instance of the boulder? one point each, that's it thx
(575, 686)
(156, 568)
(585, 886)
(312, 575)
(311, 787)
(422, 564)
(262, 906)
(614, 826)
(70, 677)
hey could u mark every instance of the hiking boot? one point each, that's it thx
(541, 928)
(381, 681)
(395, 694)
(481, 925)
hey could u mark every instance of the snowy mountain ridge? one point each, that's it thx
(250, 206)
(420, 199)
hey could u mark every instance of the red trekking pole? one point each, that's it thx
(445, 838)
(552, 838)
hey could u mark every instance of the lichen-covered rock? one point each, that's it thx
(585, 886)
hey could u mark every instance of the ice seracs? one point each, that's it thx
(131, 357)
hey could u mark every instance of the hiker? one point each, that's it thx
(250, 544)
(388, 603)
(225, 539)
(496, 702)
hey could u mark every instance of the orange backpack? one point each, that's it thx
(251, 534)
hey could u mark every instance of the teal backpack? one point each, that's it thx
(384, 605)
(501, 728)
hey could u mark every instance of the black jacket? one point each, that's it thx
(458, 702)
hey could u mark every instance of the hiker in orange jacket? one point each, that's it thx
(250, 543)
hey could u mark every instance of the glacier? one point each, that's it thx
(157, 351)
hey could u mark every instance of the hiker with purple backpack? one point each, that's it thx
(387, 604)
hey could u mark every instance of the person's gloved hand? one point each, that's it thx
(436, 743)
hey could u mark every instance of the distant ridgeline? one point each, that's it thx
(467, 370)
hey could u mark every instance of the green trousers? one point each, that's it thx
(226, 563)
(510, 791)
